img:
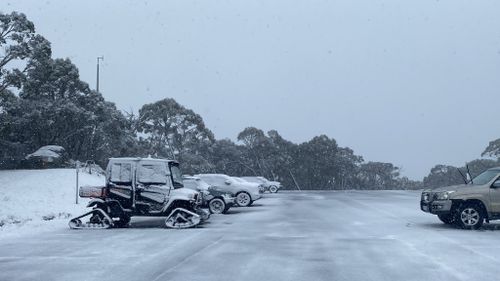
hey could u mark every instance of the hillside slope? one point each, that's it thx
(32, 200)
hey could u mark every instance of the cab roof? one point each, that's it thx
(140, 159)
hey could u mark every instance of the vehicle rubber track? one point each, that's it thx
(204, 215)
(99, 219)
(182, 218)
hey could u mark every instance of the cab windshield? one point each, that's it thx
(176, 176)
(152, 173)
(485, 177)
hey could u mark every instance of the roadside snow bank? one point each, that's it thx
(33, 200)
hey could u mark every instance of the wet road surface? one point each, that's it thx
(356, 235)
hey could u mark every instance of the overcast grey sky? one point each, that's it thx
(415, 83)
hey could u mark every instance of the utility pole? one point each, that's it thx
(77, 171)
(97, 83)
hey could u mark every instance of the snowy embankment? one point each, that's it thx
(37, 200)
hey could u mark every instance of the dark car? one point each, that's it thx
(246, 192)
(217, 199)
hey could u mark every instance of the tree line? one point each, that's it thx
(446, 175)
(44, 102)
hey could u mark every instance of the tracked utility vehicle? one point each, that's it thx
(140, 187)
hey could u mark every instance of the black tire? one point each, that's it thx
(97, 216)
(273, 189)
(469, 216)
(123, 222)
(243, 199)
(447, 219)
(226, 209)
(217, 206)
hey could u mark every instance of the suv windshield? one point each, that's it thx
(252, 179)
(214, 179)
(202, 184)
(485, 177)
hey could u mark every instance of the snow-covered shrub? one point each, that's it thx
(49, 156)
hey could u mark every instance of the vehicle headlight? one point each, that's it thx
(445, 195)
(425, 196)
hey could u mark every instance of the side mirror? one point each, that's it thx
(227, 182)
(496, 184)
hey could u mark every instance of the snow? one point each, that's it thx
(40, 200)
(121, 172)
(48, 152)
(347, 235)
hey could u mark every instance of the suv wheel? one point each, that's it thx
(470, 216)
(447, 219)
(243, 199)
(217, 206)
(273, 189)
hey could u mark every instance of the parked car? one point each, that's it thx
(242, 181)
(467, 205)
(246, 193)
(217, 199)
(271, 186)
(141, 187)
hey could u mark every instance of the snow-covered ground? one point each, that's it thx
(32, 201)
(354, 235)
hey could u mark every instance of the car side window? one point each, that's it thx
(219, 180)
(497, 179)
(121, 172)
(210, 179)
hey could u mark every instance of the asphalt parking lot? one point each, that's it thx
(357, 235)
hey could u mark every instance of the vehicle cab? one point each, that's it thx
(153, 181)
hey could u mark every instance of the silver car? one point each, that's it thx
(271, 186)
(246, 193)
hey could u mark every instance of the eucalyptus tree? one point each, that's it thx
(443, 175)
(378, 175)
(168, 129)
(20, 47)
